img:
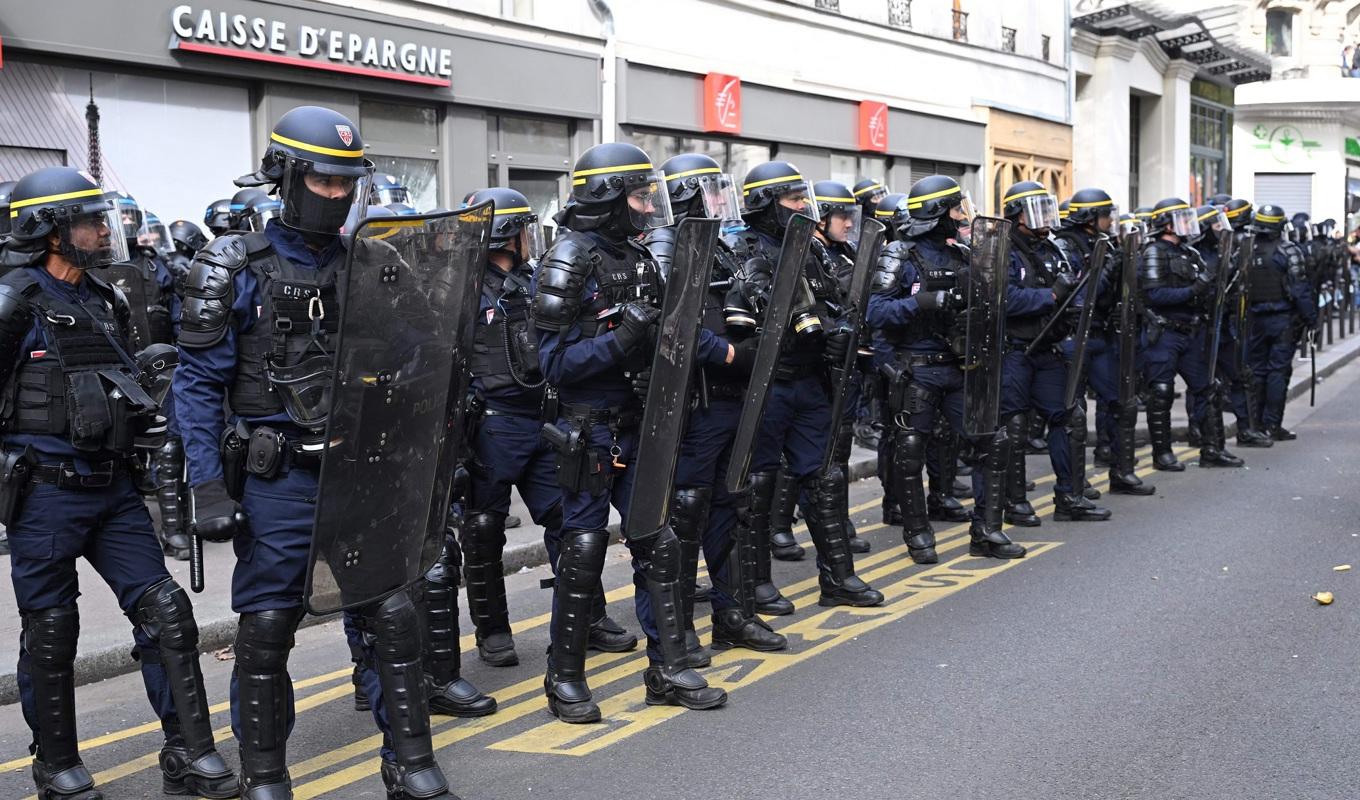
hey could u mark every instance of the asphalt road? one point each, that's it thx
(1173, 652)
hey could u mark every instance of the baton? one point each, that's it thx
(1058, 313)
(195, 562)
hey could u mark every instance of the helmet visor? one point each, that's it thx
(130, 217)
(1184, 222)
(842, 223)
(1218, 222)
(721, 199)
(313, 198)
(391, 194)
(262, 213)
(1039, 211)
(649, 204)
(798, 198)
(156, 235)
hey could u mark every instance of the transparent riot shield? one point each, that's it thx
(409, 296)
(984, 324)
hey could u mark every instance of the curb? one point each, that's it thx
(98, 665)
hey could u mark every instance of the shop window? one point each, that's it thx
(1280, 32)
(844, 168)
(403, 140)
(899, 14)
(735, 157)
(1007, 39)
(532, 135)
(391, 122)
(420, 176)
(1207, 178)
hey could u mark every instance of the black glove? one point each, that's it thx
(462, 479)
(635, 322)
(930, 301)
(642, 381)
(1064, 285)
(216, 517)
(837, 345)
(744, 357)
(1205, 283)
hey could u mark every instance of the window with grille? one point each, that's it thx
(1008, 39)
(829, 5)
(960, 26)
(899, 13)
(1045, 45)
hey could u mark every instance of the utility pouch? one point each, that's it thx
(14, 470)
(551, 405)
(234, 463)
(264, 452)
(90, 416)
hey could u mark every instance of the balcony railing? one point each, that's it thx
(960, 26)
(899, 14)
(1008, 40)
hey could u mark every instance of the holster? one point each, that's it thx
(264, 452)
(14, 470)
(580, 468)
(1154, 331)
(895, 380)
(234, 463)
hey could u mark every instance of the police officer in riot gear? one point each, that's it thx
(1034, 371)
(387, 190)
(834, 239)
(217, 217)
(703, 513)
(242, 207)
(1213, 450)
(596, 305)
(257, 335)
(1176, 287)
(915, 310)
(188, 239)
(1281, 304)
(869, 425)
(67, 489)
(867, 192)
(1091, 216)
(1242, 381)
(6, 189)
(797, 412)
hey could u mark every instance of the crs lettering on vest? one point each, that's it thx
(295, 292)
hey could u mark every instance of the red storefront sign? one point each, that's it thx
(873, 126)
(722, 103)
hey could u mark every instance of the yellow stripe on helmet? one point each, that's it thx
(583, 173)
(1236, 212)
(1176, 207)
(867, 189)
(1097, 204)
(316, 148)
(51, 198)
(520, 210)
(698, 171)
(833, 199)
(1030, 193)
(915, 202)
(1269, 218)
(746, 188)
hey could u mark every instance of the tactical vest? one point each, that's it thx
(504, 352)
(149, 304)
(1042, 265)
(936, 323)
(721, 380)
(1267, 282)
(286, 360)
(79, 386)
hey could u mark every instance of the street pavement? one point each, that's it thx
(1172, 652)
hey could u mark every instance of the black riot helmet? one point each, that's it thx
(6, 187)
(1211, 220)
(772, 193)
(1268, 220)
(868, 192)
(1174, 215)
(1300, 228)
(1064, 209)
(616, 190)
(187, 236)
(315, 161)
(514, 224)
(892, 212)
(1221, 200)
(929, 203)
(838, 213)
(698, 186)
(130, 215)
(1089, 207)
(1238, 212)
(217, 216)
(1030, 203)
(241, 204)
(64, 202)
(386, 190)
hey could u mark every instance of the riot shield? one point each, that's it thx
(1225, 269)
(128, 277)
(408, 299)
(774, 325)
(985, 324)
(1128, 319)
(1095, 272)
(1246, 253)
(663, 416)
(857, 301)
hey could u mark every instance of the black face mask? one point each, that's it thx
(83, 259)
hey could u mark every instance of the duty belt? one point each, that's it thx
(1180, 326)
(66, 476)
(794, 372)
(616, 417)
(930, 359)
(726, 391)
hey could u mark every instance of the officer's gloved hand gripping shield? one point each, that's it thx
(408, 302)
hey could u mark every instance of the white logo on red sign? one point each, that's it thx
(346, 135)
(725, 104)
(878, 127)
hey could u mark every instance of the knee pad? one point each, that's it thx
(909, 451)
(445, 571)
(688, 509)
(170, 459)
(663, 556)
(265, 638)
(165, 614)
(50, 637)
(824, 491)
(1162, 393)
(1076, 422)
(394, 628)
(483, 533)
(582, 559)
(762, 490)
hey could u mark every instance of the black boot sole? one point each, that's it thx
(775, 611)
(183, 786)
(1133, 491)
(507, 659)
(462, 712)
(587, 716)
(1067, 516)
(1177, 467)
(831, 601)
(924, 556)
(1023, 522)
(984, 550)
(723, 645)
(673, 698)
(860, 546)
(613, 648)
(788, 554)
(1220, 465)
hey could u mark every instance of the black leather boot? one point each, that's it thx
(1076, 508)
(986, 538)
(578, 574)
(909, 453)
(1280, 433)
(739, 626)
(263, 642)
(836, 575)
(483, 554)
(436, 610)
(1160, 398)
(673, 681)
(608, 636)
(732, 629)
(689, 519)
(49, 639)
(1123, 473)
(1214, 452)
(768, 599)
(1018, 509)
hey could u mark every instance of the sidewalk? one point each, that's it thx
(106, 640)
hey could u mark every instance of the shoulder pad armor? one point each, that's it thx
(1294, 260)
(16, 318)
(561, 280)
(209, 291)
(1153, 264)
(888, 268)
(660, 242)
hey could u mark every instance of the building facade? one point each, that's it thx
(456, 94)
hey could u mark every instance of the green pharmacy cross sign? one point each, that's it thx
(1285, 143)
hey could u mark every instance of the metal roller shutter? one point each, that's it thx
(1291, 191)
